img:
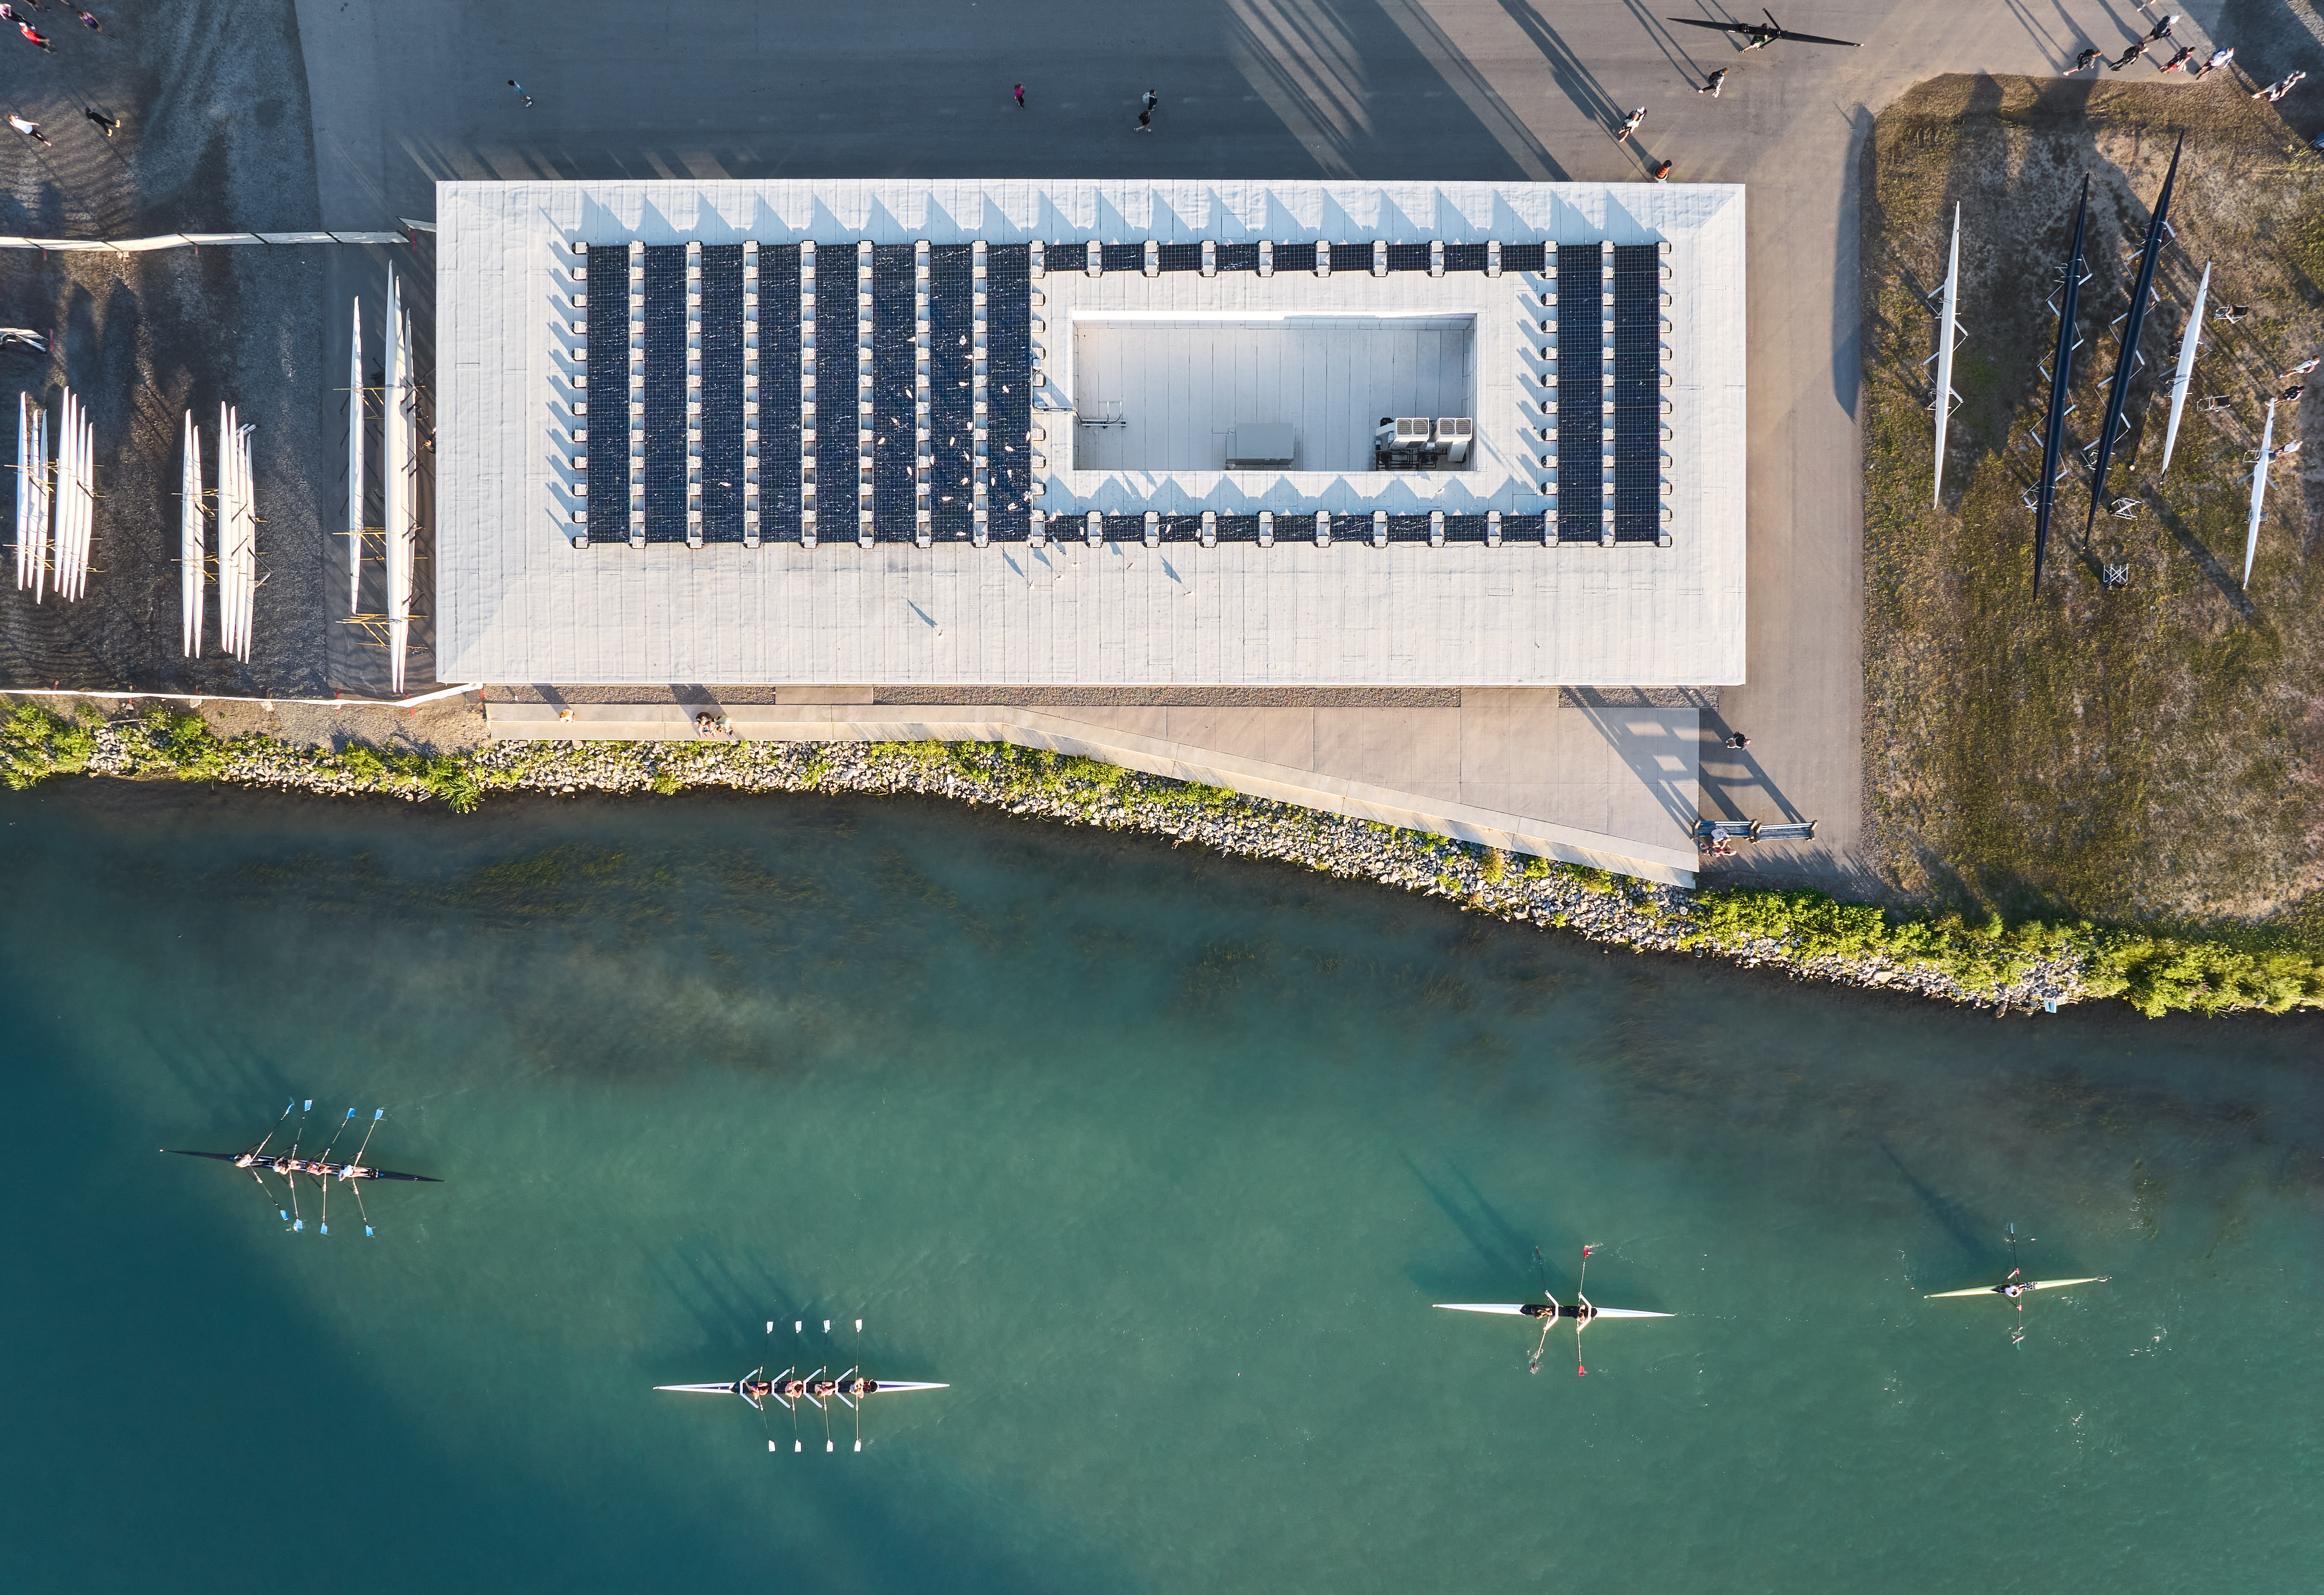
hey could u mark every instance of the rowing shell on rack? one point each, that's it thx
(1581, 1309)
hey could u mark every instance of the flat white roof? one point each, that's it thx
(517, 601)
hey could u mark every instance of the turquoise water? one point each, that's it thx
(1157, 1158)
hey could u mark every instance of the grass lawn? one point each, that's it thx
(2146, 753)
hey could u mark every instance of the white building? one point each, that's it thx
(1090, 434)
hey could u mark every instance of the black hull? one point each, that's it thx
(377, 1174)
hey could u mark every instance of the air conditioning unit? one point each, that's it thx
(1453, 436)
(1411, 432)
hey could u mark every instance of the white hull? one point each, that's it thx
(1517, 1310)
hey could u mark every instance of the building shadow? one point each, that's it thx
(1656, 754)
(1575, 80)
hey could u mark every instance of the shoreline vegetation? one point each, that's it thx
(1993, 964)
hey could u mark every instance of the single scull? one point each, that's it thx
(2014, 1287)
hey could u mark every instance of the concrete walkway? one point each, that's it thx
(1607, 788)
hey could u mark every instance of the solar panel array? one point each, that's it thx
(1008, 387)
(1637, 393)
(834, 391)
(723, 485)
(695, 403)
(776, 464)
(606, 302)
(1580, 390)
(952, 388)
(664, 433)
(895, 412)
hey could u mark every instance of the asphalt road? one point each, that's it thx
(399, 96)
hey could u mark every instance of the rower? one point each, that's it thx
(1539, 1309)
(822, 1387)
(860, 1387)
(756, 1390)
(791, 1389)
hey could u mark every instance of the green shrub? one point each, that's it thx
(2157, 973)
(184, 743)
(1536, 867)
(1494, 867)
(37, 742)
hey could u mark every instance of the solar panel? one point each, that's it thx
(778, 393)
(665, 393)
(1407, 528)
(1123, 257)
(1008, 389)
(1178, 257)
(1464, 529)
(952, 388)
(722, 482)
(607, 487)
(1637, 393)
(1065, 257)
(1238, 528)
(1352, 529)
(1465, 257)
(1524, 257)
(1406, 257)
(1527, 528)
(835, 505)
(1580, 390)
(1123, 528)
(1352, 257)
(1295, 257)
(1236, 257)
(894, 406)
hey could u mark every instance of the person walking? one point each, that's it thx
(2291, 395)
(1153, 100)
(1660, 170)
(31, 130)
(2162, 29)
(1144, 120)
(2214, 61)
(33, 34)
(1630, 125)
(111, 125)
(2177, 62)
(521, 94)
(2085, 62)
(88, 20)
(1021, 97)
(1738, 740)
(2303, 369)
(2276, 91)
(1714, 83)
(2130, 52)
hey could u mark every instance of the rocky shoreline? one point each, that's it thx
(1610, 910)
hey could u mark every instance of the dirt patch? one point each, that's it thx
(2146, 750)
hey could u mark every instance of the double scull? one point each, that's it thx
(1549, 1310)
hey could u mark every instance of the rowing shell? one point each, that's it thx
(318, 1169)
(1979, 1290)
(1531, 1309)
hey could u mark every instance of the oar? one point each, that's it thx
(1548, 1322)
(356, 1190)
(377, 1114)
(324, 1180)
(278, 1126)
(1581, 1319)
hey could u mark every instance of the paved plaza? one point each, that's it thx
(395, 99)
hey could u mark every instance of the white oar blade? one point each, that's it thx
(2054, 1283)
(1629, 1313)
(726, 1389)
(1513, 1309)
(887, 1389)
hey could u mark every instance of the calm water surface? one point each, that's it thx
(1157, 1158)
